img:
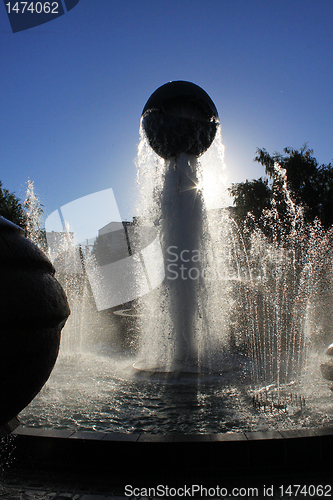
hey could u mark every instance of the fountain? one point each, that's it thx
(232, 333)
(180, 123)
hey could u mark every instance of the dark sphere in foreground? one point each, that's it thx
(179, 117)
(33, 310)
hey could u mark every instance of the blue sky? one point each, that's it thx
(72, 90)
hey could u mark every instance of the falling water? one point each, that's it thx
(226, 305)
(184, 323)
(33, 214)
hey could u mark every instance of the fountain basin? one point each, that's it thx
(94, 392)
(194, 456)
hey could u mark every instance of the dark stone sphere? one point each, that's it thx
(33, 310)
(179, 117)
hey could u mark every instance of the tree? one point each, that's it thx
(254, 196)
(325, 190)
(301, 176)
(11, 207)
(309, 185)
(26, 215)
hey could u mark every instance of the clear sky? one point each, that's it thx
(72, 90)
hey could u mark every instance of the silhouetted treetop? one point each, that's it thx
(11, 207)
(309, 184)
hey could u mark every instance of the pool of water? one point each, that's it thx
(92, 392)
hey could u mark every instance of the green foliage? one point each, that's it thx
(300, 179)
(254, 196)
(301, 175)
(11, 207)
(26, 215)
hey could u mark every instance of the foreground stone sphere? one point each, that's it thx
(33, 310)
(179, 117)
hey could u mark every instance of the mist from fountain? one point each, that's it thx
(182, 323)
(221, 304)
(241, 311)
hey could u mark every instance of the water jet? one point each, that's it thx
(230, 319)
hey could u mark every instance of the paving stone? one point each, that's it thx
(93, 497)
(65, 496)
(116, 498)
(36, 493)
